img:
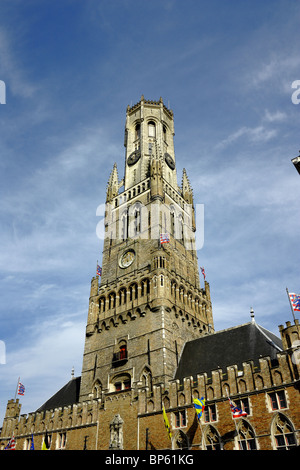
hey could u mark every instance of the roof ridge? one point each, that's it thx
(261, 328)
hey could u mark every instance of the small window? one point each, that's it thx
(137, 131)
(243, 404)
(123, 352)
(165, 133)
(278, 400)
(121, 382)
(210, 413)
(180, 419)
(151, 129)
(61, 440)
(126, 384)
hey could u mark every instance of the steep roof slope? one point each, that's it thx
(227, 347)
(67, 395)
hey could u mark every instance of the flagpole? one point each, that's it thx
(236, 429)
(17, 388)
(202, 435)
(293, 313)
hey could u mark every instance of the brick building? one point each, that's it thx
(150, 339)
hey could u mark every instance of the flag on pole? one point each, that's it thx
(295, 301)
(236, 412)
(99, 270)
(46, 442)
(164, 238)
(21, 389)
(203, 272)
(11, 444)
(199, 406)
(167, 424)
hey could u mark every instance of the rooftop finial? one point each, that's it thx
(72, 373)
(252, 315)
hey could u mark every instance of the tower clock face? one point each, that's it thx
(126, 258)
(133, 157)
(169, 161)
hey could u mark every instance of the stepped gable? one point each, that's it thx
(229, 347)
(67, 395)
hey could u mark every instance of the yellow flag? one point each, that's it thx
(167, 424)
(46, 442)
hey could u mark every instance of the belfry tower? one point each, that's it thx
(150, 301)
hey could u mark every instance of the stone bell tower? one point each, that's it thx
(150, 301)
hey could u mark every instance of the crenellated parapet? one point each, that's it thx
(62, 418)
(220, 383)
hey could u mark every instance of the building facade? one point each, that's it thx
(150, 341)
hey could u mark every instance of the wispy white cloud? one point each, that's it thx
(12, 70)
(276, 69)
(257, 134)
(276, 116)
(52, 347)
(52, 211)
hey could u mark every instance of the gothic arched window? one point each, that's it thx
(212, 439)
(283, 433)
(137, 131)
(246, 437)
(151, 129)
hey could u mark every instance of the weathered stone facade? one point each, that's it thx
(148, 306)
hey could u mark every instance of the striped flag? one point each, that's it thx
(295, 301)
(99, 270)
(21, 389)
(236, 412)
(12, 444)
(167, 424)
(164, 238)
(199, 406)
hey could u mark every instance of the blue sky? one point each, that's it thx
(225, 68)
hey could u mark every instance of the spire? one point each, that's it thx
(186, 187)
(113, 184)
